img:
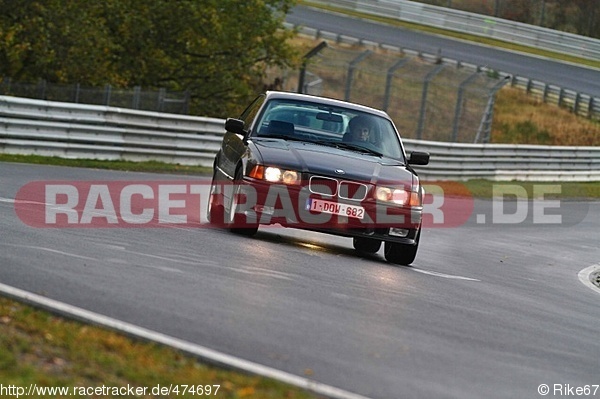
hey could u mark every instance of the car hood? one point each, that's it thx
(324, 160)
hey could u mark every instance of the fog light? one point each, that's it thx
(398, 232)
(269, 210)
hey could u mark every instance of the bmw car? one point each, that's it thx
(308, 162)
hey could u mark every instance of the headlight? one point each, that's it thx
(275, 175)
(398, 196)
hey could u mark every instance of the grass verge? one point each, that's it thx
(49, 351)
(471, 188)
(130, 166)
(489, 189)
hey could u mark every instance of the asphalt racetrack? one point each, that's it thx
(488, 309)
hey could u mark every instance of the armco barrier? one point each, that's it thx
(457, 161)
(475, 24)
(96, 132)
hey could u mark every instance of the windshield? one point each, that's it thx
(333, 126)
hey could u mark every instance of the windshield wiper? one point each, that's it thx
(357, 147)
(280, 136)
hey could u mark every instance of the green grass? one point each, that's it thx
(130, 166)
(474, 188)
(489, 189)
(49, 351)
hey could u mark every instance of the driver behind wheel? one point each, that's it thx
(361, 130)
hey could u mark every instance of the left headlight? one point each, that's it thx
(398, 196)
(274, 174)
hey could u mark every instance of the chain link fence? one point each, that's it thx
(149, 100)
(427, 99)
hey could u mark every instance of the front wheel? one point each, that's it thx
(366, 245)
(215, 212)
(237, 222)
(401, 254)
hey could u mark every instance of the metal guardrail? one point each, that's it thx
(97, 132)
(458, 161)
(474, 24)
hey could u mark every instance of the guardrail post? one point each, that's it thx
(388, 81)
(351, 69)
(529, 85)
(561, 95)
(428, 78)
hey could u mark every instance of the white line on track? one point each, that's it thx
(51, 250)
(449, 276)
(188, 347)
(585, 277)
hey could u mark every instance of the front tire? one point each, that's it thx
(215, 212)
(401, 254)
(235, 219)
(366, 245)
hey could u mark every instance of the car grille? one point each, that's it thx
(323, 185)
(331, 187)
(351, 190)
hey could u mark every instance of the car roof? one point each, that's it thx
(325, 101)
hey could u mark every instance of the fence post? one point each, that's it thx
(162, 93)
(485, 127)
(428, 78)
(388, 81)
(305, 59)
(459, 100)
(136, 97)
(107, 91)
(42, 88)
(351, 68)
(77, 88)
(186, 104)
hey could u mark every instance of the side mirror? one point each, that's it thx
(418, 158)
(234, 126)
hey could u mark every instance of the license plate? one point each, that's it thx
(351, 211)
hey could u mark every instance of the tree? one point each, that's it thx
(216, 49)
